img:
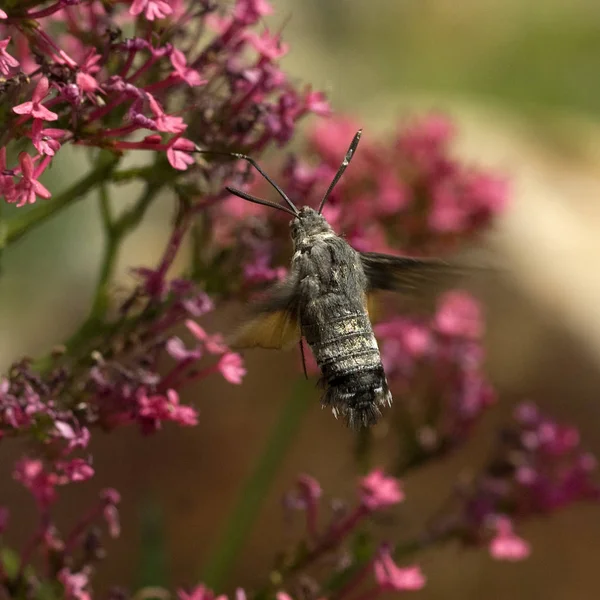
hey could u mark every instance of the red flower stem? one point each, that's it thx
(128, 62)
(198, 376)
(83, 524)
(142, 69)
(33, 542)
(168, 379)
(332, 537)
(46, 12)
(353, 582)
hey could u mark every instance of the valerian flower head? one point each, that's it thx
(378, 490)
(506, 544)
(536, 468)
(391, 577)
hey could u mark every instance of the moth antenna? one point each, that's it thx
(342, 168)
(256, 200)
(294, 210)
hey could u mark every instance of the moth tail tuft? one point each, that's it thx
(357, 404)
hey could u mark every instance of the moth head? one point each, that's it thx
(306, 218)
(308, 223)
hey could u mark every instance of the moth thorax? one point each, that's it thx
(308, 224)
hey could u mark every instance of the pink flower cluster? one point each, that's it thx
(68, 64)
(377, 492)
(60, 411)
(441, 357)
(536, 468)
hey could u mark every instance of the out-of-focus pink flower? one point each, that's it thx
(185, 73)
(377, 490)
(459, 315)
(34, 107)
(266, 44)
(75, 585)
(85, 75)
(283, 596)
(31, 473)
(7, 62)
(3, 15)
(152, 9)
(506, 544)
(249, 12)
(110, 512)
(232, 368)
(316, 103)
(213, 343)
(390, 576)
(73, 470)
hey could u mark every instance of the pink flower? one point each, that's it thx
(3, 15)
(28, 188)
(76, 469)
(232, 368)
(110, 513)
(30, 472)
(187, 74)
(7, 62)
(158, 408)
(213, 343)
(250, 11)
(163, 121)
(154, 9)
(379, 491)
(74, 584)
(390, 576)
(85, 76)
(45, 140)
(200, 592)
(316, 103)
(283, 596)
(507, 545)
(176, 348)
(459, 315)
(269, 46)
(34, 108)
(179, 154)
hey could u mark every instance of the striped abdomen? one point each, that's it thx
(346, 351)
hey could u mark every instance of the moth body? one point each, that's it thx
(324, 299)
(331, 307)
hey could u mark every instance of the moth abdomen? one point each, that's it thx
(347, 354)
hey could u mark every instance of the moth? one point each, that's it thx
(324, 299)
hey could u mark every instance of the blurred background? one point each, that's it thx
(522, 81)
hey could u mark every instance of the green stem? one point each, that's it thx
(256, 487)
(19, 226)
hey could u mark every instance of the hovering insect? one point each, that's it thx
(324, 300)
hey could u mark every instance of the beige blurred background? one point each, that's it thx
(522, 79)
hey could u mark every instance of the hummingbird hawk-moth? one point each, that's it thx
(324, 299)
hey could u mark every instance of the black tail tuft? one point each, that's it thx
(357, 397)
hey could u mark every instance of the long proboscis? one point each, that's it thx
(292, 210)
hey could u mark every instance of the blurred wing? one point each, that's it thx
(415, 278)
(403, 273)
(273, 323)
